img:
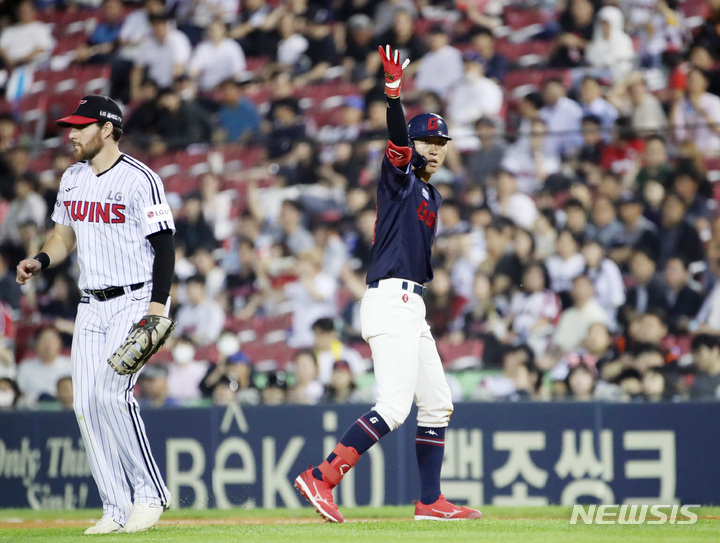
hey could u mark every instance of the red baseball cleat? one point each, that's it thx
(319, 494)
(444, 510)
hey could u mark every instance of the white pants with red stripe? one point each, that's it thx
(106, 410)
(405, 358)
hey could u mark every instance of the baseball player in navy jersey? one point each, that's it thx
(113, 209)
(405, 358)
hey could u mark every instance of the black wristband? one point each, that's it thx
(43, 258)
(159, 297)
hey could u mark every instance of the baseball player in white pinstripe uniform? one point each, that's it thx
(113, 208)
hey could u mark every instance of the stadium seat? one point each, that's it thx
(207, 352)
(319, 117)
(256, 63)
(62, 19)
(461, 355)
(319, 93)
(282, 322)
(526, 53)
(520, 17)
(181, 184)
(260, 352)
(240, 157)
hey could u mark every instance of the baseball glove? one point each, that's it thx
(143, 341)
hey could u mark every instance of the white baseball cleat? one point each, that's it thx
(144, 516)
(106, 525)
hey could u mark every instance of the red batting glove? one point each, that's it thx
(393, 70)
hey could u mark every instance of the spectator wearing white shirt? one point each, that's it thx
(473, 97)
(611, 49)
(198, 15)
(217, 58)
(565, 265)
(23, 46)
(633, 99)
(27, 42)
(441, 67)
(38, 376)
(308, 389)
(185, 373)
(574, 323)
(532, 158)
(510, 203)
(201, 318)
(136, 28)
(593, 103)
(563, 117)
(535, 309)
(164, 55)
(606, 278)
(313, 296)
(292, 44)
(697, 115)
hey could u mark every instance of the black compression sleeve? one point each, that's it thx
(163, 266)
(397, 127)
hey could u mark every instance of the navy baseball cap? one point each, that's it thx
(92, 109)
(427, 125)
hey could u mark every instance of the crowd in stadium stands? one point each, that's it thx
(578, 248)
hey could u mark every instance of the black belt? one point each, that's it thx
(111, 292)
(416, 289)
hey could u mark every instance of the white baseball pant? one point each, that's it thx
(405, 358)
(106, 409)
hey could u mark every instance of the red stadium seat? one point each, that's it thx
(520, 53)
(181, 184)
(319, 92)
(451, 353)
(207, 352)
(282, 322)
(319, 117)
(256, 63)
(519, 17)
(259, 352)
(61, 20)
(260, 94)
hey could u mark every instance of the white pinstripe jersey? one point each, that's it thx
(111, 214)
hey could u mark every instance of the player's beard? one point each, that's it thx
(91, 150)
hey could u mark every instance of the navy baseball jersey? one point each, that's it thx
(405, 226)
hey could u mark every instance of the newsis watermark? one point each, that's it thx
(634, 514)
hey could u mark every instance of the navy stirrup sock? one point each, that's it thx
(429, 448)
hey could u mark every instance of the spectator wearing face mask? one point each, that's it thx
(185, 372)
(9, 394)
(232, 375)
